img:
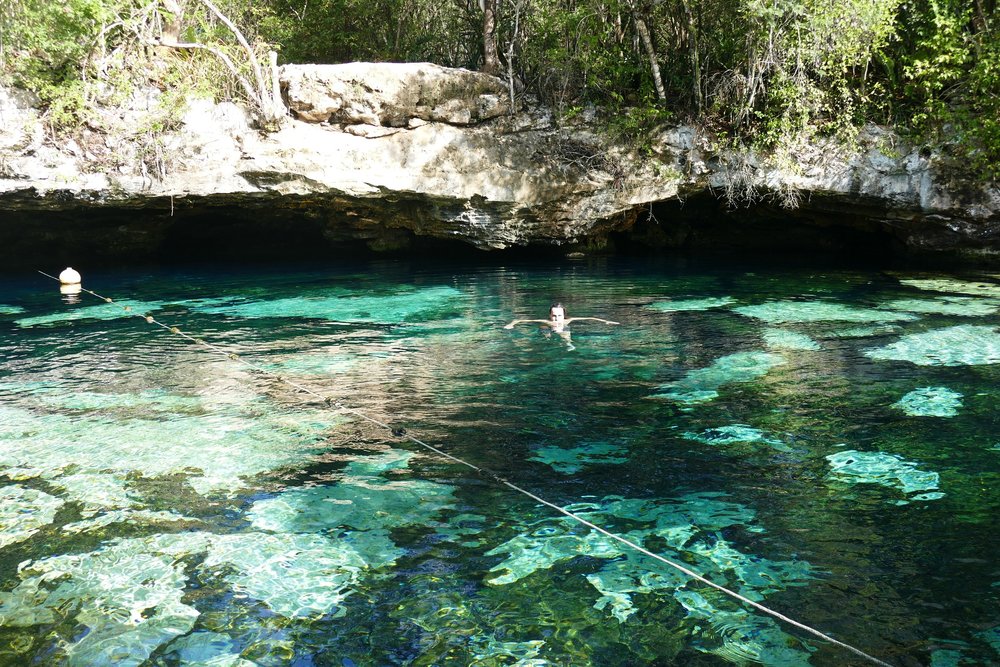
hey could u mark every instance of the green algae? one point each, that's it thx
(691, 528)
(930, 402)
(560, 539)
(104, 311)
(865, 332)
(741, 637)
(620, 580)
(963, 345)
(702, 385)
(412, 306)
(992, 637)
(690, 304)
(23, 511)
(783, 339)
(569, 460)
(133, 517)
(946, 658)
(734, 434)
(888, 470)
(791, 312)
(946, 305)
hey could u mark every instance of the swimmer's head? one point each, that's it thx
(557, 313)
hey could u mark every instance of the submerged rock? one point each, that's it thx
(701, 385)
(854, 467)
(786, 312)
(955, 346)
(930, 402)
(682, 305)
(23, 512)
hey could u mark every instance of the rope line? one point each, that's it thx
(402, 433)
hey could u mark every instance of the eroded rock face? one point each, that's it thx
(391, 94)
(399, 164)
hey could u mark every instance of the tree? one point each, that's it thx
(491, 59)
(262, 92)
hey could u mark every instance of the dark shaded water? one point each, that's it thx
(826, 442)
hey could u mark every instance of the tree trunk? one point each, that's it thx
(264, 96)
(647, 43)
(510, 52)
(491, 58)
(692, 32)
(172, 17)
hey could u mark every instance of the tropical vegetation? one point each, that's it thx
(769, 73)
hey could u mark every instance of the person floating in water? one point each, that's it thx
(558, 322)
(557, 319)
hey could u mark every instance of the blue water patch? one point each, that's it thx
(736, 434)
(783, 339)
(946, 305)
(681, 305)
(569, 460)
(955, 286)
(930, 402)
(702, 385)
(411, 306)
(23, 511)
(789, 312)
(888, 470)
(964, 345)
(103, 312)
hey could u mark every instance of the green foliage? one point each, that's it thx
(47, 47)
(952, 81)
(331, 31)
(770, 73)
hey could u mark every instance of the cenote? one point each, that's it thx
(823, 441)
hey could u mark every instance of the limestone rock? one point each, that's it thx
(391, 94)
(402, 155)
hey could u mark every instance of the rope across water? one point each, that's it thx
(402, 433)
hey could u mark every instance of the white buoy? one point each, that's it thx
(69, 276)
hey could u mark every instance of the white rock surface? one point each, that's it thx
(405, 147)
(391, 94)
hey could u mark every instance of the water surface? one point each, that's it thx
(823, 441)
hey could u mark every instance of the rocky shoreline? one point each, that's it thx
(390, 157)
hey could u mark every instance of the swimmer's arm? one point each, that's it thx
(595, 319)
(515, 322)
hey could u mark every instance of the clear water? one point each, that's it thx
(826, 442)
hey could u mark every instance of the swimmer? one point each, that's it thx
(557, 319)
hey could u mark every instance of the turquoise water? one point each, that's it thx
(823, 441)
